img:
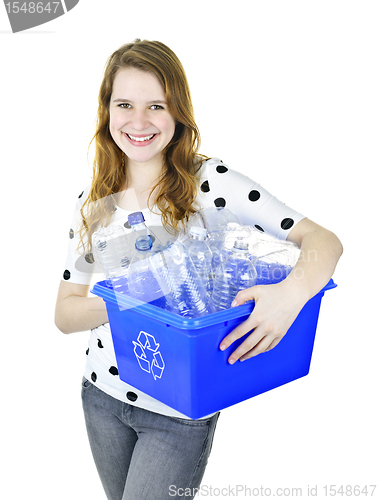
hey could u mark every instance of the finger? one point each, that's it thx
(248, 345)
(274, 343)
(245, 295)
(246, 326)
(264, 345)
(259, 348)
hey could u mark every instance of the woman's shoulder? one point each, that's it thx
(214, 170)
(82, 196)
(212, 165)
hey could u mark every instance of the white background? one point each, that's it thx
(285, 92)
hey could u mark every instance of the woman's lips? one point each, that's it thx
(141, 140)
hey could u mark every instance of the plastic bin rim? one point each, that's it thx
(100, 289)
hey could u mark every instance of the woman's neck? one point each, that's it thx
(143, 176)
(140, 180)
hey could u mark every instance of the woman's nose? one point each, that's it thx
(139, 120)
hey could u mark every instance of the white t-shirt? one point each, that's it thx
(219, 186)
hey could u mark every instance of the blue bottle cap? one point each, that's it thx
(135, 218)
(143, 243)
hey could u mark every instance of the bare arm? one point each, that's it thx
(75, 311)
(277, 306)
(320, 252)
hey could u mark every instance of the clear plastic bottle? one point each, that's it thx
(235, 274)
(213, 219)
(112, 253)
(217, 218)
(200, 254)
(274, 259)
(183, 288)
(270, 270)
(142, 282)
(139, 228)
(218, 221)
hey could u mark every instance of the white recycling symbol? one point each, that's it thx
(148, 355)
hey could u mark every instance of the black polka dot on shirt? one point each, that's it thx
(66, 275)
(220, 202)
(131, 396)
(72, 234)
(205, 187)
(254, 195)
(99, 344)
(81, 194)
(259, 228)
(113, 370)
(89, 258)
(127, 225)
(94, 377)
(287, 224)
(221, 169)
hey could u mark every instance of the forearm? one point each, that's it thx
(78, 314)
(320, 251)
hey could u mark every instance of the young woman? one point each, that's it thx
(147, 159)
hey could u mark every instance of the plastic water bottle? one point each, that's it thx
(274, 259)
(142, 282)
(217, 218)
(270, 268)
(219, 254)
(178, 278)
(139, 228)
(112, 254)
(218, 221)
(213, 219)
(200, 254)
(235, 274)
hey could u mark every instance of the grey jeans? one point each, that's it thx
(142, 455)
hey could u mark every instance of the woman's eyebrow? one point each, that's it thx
(157, 101)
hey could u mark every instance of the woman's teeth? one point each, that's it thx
(140, 139)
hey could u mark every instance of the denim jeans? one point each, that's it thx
(141, 455)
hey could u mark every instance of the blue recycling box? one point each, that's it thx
(178, 360)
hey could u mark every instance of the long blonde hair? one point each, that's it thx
(177, 187)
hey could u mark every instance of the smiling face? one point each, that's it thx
(140, 123)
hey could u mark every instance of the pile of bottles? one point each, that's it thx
(200, 272)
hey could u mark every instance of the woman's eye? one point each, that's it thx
(156, 106)
(125, 105)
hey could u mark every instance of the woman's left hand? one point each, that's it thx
(276, 307)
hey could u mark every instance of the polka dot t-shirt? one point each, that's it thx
(223, 187)
(219, 186)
